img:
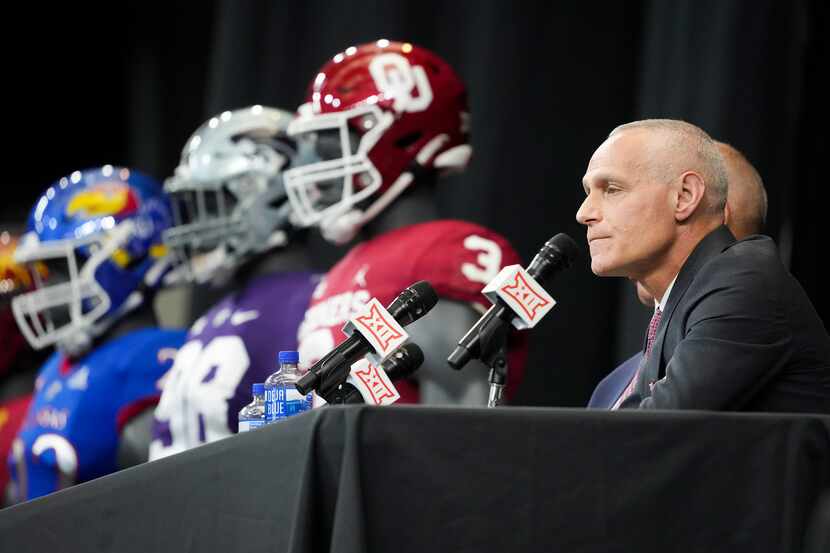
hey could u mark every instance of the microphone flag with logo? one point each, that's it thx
(375, 331)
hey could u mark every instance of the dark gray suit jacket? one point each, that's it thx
(738, 333)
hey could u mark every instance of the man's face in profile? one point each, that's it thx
(628, 211)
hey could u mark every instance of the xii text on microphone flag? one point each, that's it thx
(380, 329)
(373, 383)
(526, 297)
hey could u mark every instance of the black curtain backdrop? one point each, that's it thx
(547, 81)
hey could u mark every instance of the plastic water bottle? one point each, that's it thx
(253, 415)
(282, 399)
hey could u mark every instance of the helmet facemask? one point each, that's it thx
(67, 310)
(323, 191)
(229, 202)
(220, 223)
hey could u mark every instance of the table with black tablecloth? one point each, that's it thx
(400, 479)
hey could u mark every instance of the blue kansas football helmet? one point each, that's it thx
(98, 235)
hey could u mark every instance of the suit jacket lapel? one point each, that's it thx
(712, 244)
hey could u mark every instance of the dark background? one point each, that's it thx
(547, 81)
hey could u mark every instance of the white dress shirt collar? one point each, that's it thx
(662, 303)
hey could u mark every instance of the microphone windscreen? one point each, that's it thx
(404, 361)
(426, 292)
(558, 253)
(566, 245)
(413, 303)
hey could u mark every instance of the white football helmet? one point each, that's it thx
(228, 197)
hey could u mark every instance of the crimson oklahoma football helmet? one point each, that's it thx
(376, 114)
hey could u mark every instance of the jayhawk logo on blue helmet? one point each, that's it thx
(106, 198)
(98, 232)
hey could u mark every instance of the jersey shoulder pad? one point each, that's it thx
(149, 350)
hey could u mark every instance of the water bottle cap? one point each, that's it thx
(289, 357)
(258, 389)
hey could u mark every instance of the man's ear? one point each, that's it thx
(690, 195)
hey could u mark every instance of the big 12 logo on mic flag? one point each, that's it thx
(373, 383)
(379, 328)
(520, 291)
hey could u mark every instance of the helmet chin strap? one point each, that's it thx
(341, 228)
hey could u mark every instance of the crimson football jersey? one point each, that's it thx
(458, 258)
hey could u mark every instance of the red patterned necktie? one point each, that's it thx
(652, 334)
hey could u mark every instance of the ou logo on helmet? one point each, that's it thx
(397, 79)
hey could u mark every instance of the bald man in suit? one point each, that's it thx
(744, 213)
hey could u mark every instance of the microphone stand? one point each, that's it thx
(334, 396)
(493, 352)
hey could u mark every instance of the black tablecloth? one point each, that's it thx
(433, 479)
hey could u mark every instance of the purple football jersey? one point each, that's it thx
(233, 346)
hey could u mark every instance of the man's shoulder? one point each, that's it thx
(758, 248)
(745, 279)
(753, 261)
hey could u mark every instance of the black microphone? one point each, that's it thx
(558, 253)
(412, 304)
(403, 362)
